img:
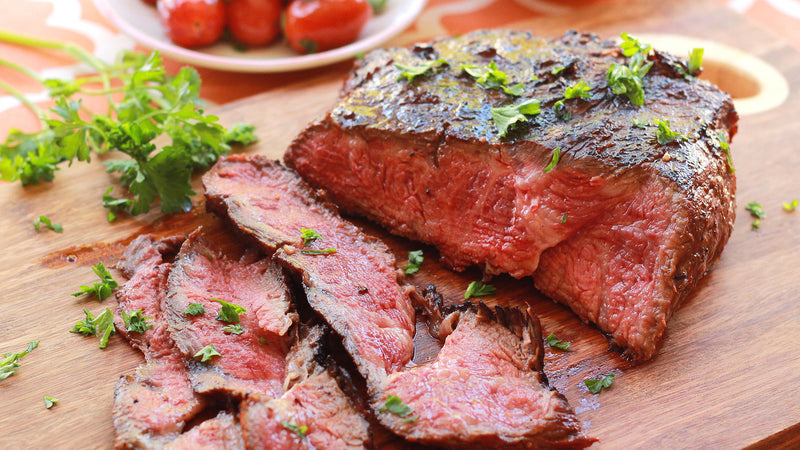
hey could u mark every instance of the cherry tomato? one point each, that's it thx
(254, 22)
(192, 23)
(318, 25)
(150, 2)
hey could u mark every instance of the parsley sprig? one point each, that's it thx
(491, 77)
(415, 260)
(229, 312)
(757, 212)
(135, 322)
(478, 289)
(10, 361)
(153, 104)
(555, 342)
(664, 133)
(101, 326)
(396, 406)
(102, 289)
(411, 72)
(627, 78)
(505, 116)
(299, 430)
(44, 220)
(595, 386)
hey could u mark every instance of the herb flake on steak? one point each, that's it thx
(425, 160)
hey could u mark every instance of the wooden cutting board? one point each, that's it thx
(727, 376)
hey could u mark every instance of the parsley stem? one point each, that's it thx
(24, 100)
(22, 69)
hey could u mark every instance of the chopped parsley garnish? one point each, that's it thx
(478, 289)
(207, 353)
(411, 72)
(102, 289)
(49, 402)
(627, 79)
(595, 386)
(86, 326)
(490, 77)
(300, 431)
(233, 329)
(10, 361)
(564, 218)
(757, 212)
(135, 322)
(505, 116)
(578, 90)
(152, 103)
(664, 134)
(324, 251)
(639, 123)
(556, 157)
(722, 142)
(44, 220)
(101, 326)
(229, 311)
(415, 259)
(561, 111)
(695, 60)
(309, 235)
(556, 70)
(195, 309)
(396, 406)
(263, 340)
(791, 206)
(554, 342)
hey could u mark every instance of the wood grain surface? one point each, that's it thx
(727, 375)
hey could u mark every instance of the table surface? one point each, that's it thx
(751, 296)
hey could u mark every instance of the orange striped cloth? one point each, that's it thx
(79, 21)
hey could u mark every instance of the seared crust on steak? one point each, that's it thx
(622, 228)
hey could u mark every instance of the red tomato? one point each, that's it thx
(318, 25)
(254, 22)
(150, 2)
(192, 23)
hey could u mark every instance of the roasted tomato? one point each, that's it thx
(318, 25)
(254, 22)
(192, 23)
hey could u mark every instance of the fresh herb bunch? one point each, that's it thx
(153, 104)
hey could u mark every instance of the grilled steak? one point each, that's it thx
(354, 288)
(620, 230)
(463, 398)
(222, 432)
(313, 413)
(251, 361)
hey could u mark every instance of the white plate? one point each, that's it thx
(141, 22)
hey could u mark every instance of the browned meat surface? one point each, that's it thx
(250, 361)
(313, 414)
(622, 228)
(485, 389)
(354, 288)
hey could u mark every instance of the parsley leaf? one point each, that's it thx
(478, 289)
(44, 220)
(757, 212)
(627, 79)
(791, 206)
(554, 342)
(664, 134)
(505, 116)
(309, 235)
(415, 259)
(229, 311)
(101, 326)
(10, 361)
(233, 329)
(578, 90)
(49, 402)
(490, 77)
(325, 251)
(564, 218)
(411, 72)
(195, 309)
(86, 326)
(207, 353)
(554, 160)
(595, 386)
(300, 431)
(639, 123)
(153, 103)
(135, 322)
(695, 60)
(722, 143)
(102, 289)
(396, 406)
(561, 110)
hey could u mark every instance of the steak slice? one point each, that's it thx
(485, 389)
(222, 432)
(313, 413)
(250, 361)
(354, 288)
(620, 230)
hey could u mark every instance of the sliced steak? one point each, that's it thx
(485, 389)
(622, 228)
(222, 432)
(313, 413)
(250, 361)
(354, 288)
